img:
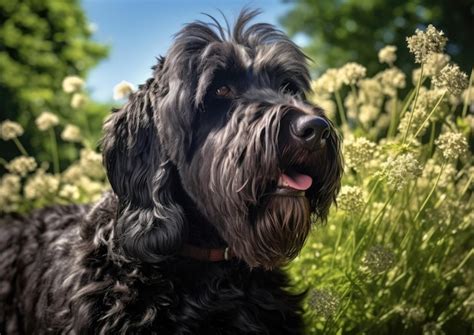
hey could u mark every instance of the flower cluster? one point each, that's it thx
(78, 100)
(435, 62)
(358, 151)
(388, 54)
(22, 165)
(400, 170)
(452, 79)
(10, 130)
(391, 79)
(46, 120)
(123, 90)
(351, 73)
(70, 192)
(452, 145)
(71, 133)
(324, 303)
(41, 185)
(418, 116)
(72, 84)
(424, 43)
(378, 259)
(351, 199)
(10, 187)
(328, 83)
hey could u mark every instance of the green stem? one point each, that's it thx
(374, 188)
(431, 113)
(414, 104)
(338, 241)
(393, 119)
(340, 107)
(467, 99)
(20, 146)
(457, 268)
(54, 149)
(431, 193)
(466, 187)
(354, 92)
(432, 137)
(372, 223)
(3, 161)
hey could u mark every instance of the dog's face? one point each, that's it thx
(229, 117)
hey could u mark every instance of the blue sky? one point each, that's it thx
(140, 30)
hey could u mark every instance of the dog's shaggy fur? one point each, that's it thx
(194, 157)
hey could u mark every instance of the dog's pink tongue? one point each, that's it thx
(297, 181)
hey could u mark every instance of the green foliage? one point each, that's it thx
(354, 30)
(397, 254)
(42, 42)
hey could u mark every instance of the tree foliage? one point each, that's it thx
(41, 42)
(353, 30)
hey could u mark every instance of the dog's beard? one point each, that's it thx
(279, 231)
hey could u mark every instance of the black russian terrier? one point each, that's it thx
(216, 164)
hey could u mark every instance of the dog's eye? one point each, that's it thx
(224, 91)
(289, 87)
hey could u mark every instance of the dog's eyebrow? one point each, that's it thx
(289, 64)
(218, 56)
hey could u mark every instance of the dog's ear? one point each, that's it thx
(150, 224)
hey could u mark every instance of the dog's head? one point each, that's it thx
(225, 120)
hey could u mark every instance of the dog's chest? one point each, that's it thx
(210, 301)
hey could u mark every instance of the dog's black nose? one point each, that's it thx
(312, 131)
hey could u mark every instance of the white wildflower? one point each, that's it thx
(435, 62)
(452, 145)
(71, 133)
(370, 92)
(73, 173)
(351, 199)
(92, 189)
(358, 151)
(351, 72)
(329, 82)
(426, 42)
(391, 79)
(10, 187)
(91, 163)
(452, 79)
(378, 259)
(10, 130)
(41, 185)
(400, 170)
(123, 90)
(368, 113)
(323, 302)
(78, 100)
(417, 118)
(21, 165)
(46, 120)
(72, 84)
(388, 54)
(325, 103)
(70, 192)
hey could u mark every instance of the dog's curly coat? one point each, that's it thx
(194, 158)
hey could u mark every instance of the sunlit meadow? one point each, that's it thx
(396, 253)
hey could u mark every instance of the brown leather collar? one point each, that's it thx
(207, 255)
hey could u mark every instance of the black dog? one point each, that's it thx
(216, 164)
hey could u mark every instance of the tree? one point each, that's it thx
(354, 30)
(41, 42)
